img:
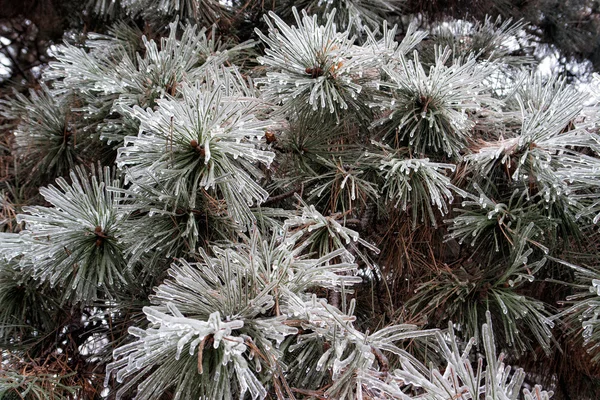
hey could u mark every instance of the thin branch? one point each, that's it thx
(281, 197)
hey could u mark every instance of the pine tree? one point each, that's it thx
(361, 202)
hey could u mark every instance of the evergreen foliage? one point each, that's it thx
(358, 203)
